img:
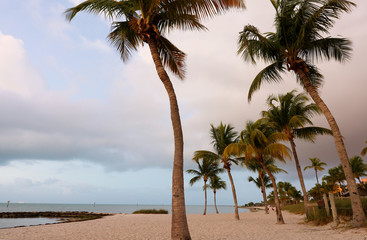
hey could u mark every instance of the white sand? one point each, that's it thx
(254, 225)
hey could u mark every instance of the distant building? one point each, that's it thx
(364, 180)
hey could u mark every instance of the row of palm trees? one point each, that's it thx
(258, 146)
(299, 39)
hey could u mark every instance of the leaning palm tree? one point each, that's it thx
(316, 164)
(263, 179)
(300, 39)
(222, 136)
(139, 22)
(289, 113)
(359, 168)
(206, 169)
(259, 141)
(215, 184)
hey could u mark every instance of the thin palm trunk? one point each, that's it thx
(300, 176)
(333, 208)
(317, 178)
(264, 194)
(359, 217)
(280, 219)
(205, 198)
(237, 216)
(215, 201)
(326, 203)
(179, 226)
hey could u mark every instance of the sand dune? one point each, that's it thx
(254, 225)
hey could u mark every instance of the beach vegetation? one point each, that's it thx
(145, 22)
(151, 211)
(222, 136)
(299, 40)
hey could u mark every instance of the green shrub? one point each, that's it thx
(151, 211)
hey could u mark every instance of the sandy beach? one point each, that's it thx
(253, 225)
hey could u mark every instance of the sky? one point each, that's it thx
(78, 125)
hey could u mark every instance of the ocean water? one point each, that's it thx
(97, 208)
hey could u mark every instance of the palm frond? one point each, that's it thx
(310, 133)
(269, 74)
(171, 56)
(109, 8)
(124, 38)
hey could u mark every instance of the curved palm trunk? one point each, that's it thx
(215, 201)
(179, 227)
(204, 213)
(359, 217)
(236, 215)
(300, 176)
(264, 194)
(280, 219)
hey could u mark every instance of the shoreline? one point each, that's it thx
(252, 225)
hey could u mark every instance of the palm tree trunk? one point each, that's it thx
(264, 194)
(280, 219)
(179, 226)
(205, 198)
(333, 208)
(317, 179)
(236, 215)
(300, 176)
(327, 208)
(359, 217)
(215, 201)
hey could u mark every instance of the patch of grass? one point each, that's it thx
(295, 208)
(151, 211)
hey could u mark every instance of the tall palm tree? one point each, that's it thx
(145, 21)
(259, 141)
(206, 169)
(263, 179)
(316, 164)
(215, 184)
(222, 136)
(301, 26)
(359, 168)
(290, 114)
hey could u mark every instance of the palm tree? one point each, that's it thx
(263, 179)
(359, 168)
(316, 164)
(222, 136)
(207, 169)
(145, 21)
(338, 175)
(259, 141)
(290, 114)
(216, 183)
(299, 40)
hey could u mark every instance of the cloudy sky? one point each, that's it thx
(79, 126)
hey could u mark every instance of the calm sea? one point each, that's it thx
(97, 208)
